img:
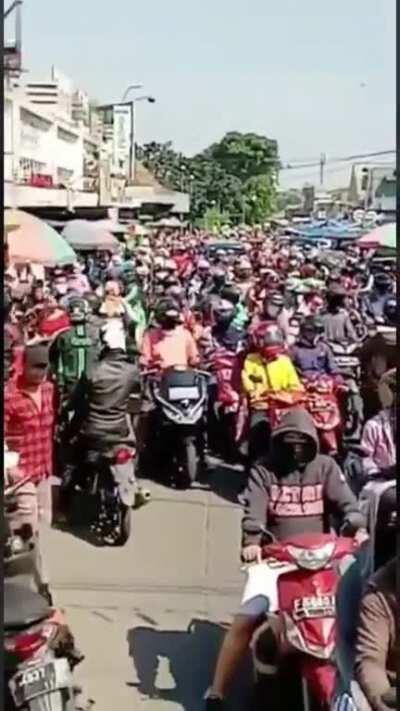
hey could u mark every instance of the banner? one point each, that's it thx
(121, 137)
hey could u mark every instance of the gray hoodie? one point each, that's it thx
(297, 501)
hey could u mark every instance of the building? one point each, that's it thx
(50, 156)
(60, 155)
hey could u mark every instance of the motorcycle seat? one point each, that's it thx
(22, 607)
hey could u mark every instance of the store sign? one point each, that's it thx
(39, 180)
(121, 137)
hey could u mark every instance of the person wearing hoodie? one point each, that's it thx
(295, 490)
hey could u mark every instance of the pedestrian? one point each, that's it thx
(29, 424)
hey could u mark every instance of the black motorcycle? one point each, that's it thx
(178, 427)
(106, 478)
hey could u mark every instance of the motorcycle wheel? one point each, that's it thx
(125, 525)
(186, 464)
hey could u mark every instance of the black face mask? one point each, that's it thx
(295, 455)
(170, 322)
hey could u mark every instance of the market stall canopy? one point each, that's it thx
(33, 240)
(328, 229)
(384, 236)
(85, 236)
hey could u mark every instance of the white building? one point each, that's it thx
(50, 156)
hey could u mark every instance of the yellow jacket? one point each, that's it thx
(276, 376)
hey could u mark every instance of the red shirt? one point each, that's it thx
(29, 431)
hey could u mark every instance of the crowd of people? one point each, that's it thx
(79, 339)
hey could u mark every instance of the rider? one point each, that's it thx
(379, 435)
(374, 303)
(224, 333)
(74, 351)
(273, 311)
(337, 323)
(169, 344)
(310, 355)
(266, 371)
(291, 493)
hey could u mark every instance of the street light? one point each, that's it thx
(132, 154)
(131, 87)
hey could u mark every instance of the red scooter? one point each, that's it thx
(322, 404)
(304, 575)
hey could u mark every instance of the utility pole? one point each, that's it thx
(322, 162)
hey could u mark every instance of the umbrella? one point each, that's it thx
(383, 236)
(85, 236)
(32, 240)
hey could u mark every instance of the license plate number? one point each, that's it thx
(32, 682)
(183, 393)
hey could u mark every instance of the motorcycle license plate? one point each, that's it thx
(38, 680)
(347, 362)
(183, 393)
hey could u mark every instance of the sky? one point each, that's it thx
(314, 75)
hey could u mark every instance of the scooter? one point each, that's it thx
(180, 396)
(303, 578)
(110, 484)
(322, 404)
(225, 403)
(39, 649)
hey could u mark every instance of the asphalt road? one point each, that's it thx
(150, 616)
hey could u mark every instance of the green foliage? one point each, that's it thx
(235, 177)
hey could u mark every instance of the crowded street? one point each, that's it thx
(200, 358)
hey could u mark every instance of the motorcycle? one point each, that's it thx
(39, 649)
(180, 397)
(349, 365)
(321, 402)
(302, 582)
(225, 403)
(108, 480)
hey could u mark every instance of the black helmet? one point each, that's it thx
(312, 326)
(167, 312)
(230, 293)
(383, 281)
(93, 302)
(390, 311)
(78, 309)
(224, 312)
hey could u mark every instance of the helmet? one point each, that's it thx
(230, 293)
(390, 311)
(78, 310)
(383, 281)
(167, 312)
(224, 312)
(271, 342)
(93, 302)
(311, 328)
(273, 304)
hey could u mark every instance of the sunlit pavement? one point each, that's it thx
(149, 616)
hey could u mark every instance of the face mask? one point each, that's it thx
(295, 455)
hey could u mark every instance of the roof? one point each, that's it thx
(145, 179)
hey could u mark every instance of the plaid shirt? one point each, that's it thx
(28, 431)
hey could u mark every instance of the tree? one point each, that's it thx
(237, 175)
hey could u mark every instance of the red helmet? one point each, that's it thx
(269, 341)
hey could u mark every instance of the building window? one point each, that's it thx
(29, 167)
(64, 175)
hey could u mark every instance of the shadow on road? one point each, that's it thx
(226, 481)
(190, 656)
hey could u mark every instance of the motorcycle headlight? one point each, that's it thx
(312, 559)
